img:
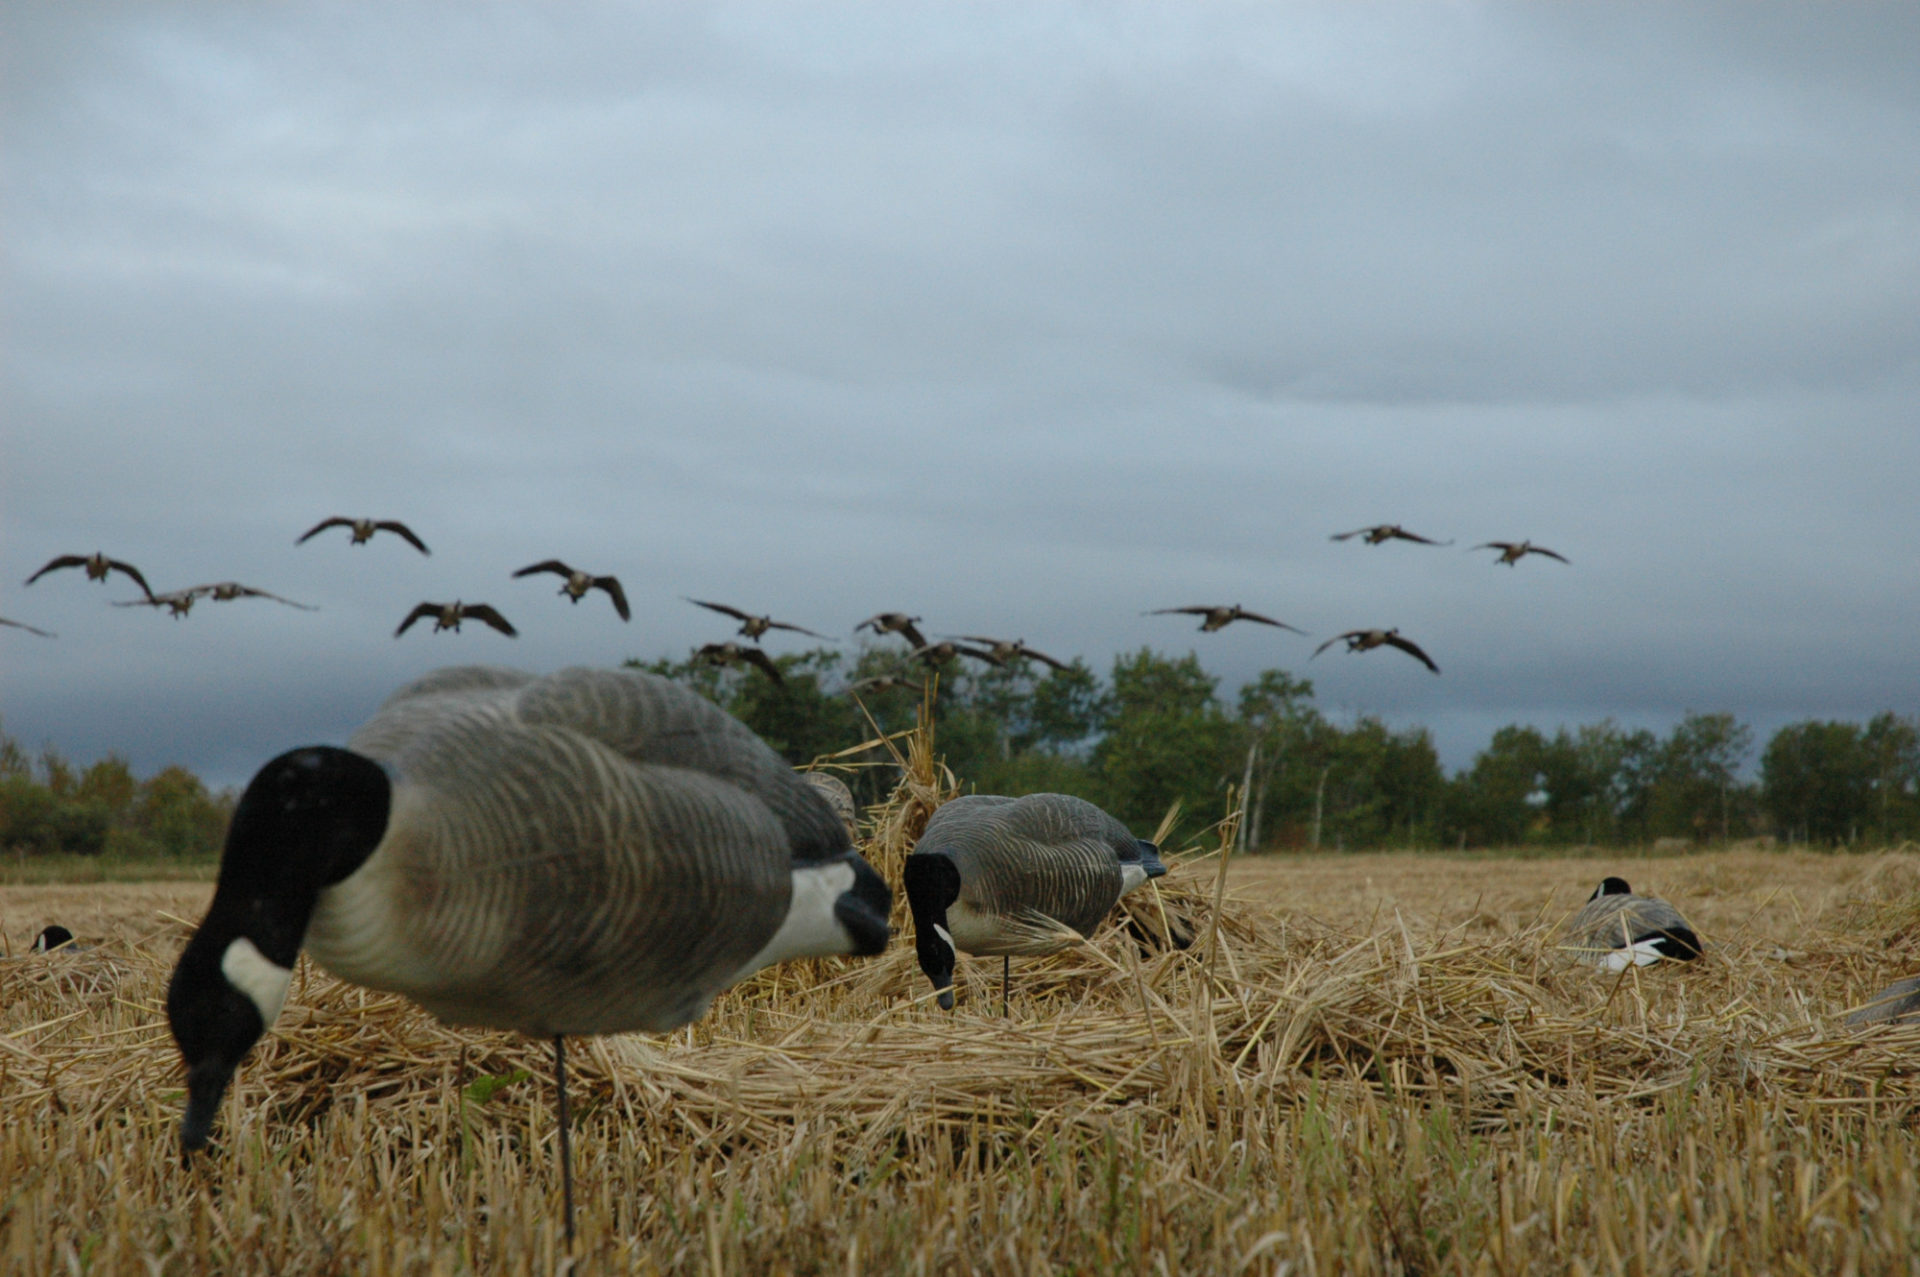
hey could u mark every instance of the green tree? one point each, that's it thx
(1497, 800)
(1696, 787)
(1816, 780)
(1167, 740)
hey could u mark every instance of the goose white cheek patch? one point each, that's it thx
(945, 935)
(263, 980)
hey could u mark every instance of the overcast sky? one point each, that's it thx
(1024, 318)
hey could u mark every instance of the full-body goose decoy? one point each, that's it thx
(578, 583)
(1617, 929)
(97, 566)
(1367, 640)
(752, 626)
(1016, 875)
(1380, 532)
(894, 623)
(362, 531)
(594, 851)
(1898, 1003)
(1218, 617)
(31, 629)
(1511, 552)
(447, 616)
(54, 936)
(1004, 651)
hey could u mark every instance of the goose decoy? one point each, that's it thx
(1898, 1003)
(752, 626)
(838, 797)
(1387, 532)
(594, 851)
(578, 583)
(31, 629)
(935, 655)
(363, 530)
(177, 602)
(1367, 640)
(1218, 618)
(97, 566)
(1003, 651)
(54, 936)
(1511, 552)
(736, 654)
(894, 623)
(1617, 929)
(995, 875)
(447, 616)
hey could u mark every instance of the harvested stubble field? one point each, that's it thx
(1362, 1064)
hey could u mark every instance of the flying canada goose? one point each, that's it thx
(838, 797)
(363, 530)
(593, 851)
(447, 616)
(894, 623)
(1016, 875)
(736, 654)
(578, 583)
(1898, 1003)
(753, 626)
(1003, 651)
(180, 602)
(883, 683)
(1218, 618)
(1386, 532)
(97, 566)
(31, 629)
(1367, 640)
(934, 655)
(1617, 929)
(1511, 552)
(177, 602)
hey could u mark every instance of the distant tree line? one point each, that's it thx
(46, 805)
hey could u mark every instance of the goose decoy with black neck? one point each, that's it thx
(739, 654)
(1380, 532)
(447, 616)
(594, 851)
(362, 530)
(894, 623)
(1617, 929)
(1218, 617)
(1511, 552)
(752, 626)
(54, 936)
(1367, 640)
(1004, 651)
(578, 583)
(97, 566)
(1032, 875)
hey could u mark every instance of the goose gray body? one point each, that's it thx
(1898, 1003)
(1617, 928)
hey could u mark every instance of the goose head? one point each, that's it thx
(933, 884)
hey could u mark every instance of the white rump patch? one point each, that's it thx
(810, 929)
(1643, 953)
(263, 980)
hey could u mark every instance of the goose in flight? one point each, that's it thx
(594, 851)
(97, 566)
(447, 616)
(934, 655)
(1511, 552)
(894, 623)
(752, 626)
(1003, 651)
(883, 683)
(1386, 532)
(1617, 929)
(1367, 640)
(1032, 875)
(363, 530)
(578, 583)
(177, 602)
(1218, 618)
(737, 654)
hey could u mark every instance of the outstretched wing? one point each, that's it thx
(1502, 546)
(115, 565)
(1242, 614)
(619, 596)
(22, 625)
(1330, 642)
(337, 521)
(797, 629)
(1541, 549)
(1405, 535)
(911, 632)
(1196, 610)
(424, 609)
(395, 526)
(55, 564)
(978, 654)
(484, 612)
(1043, 658)
(545, 565)
(758, 657)
(723, 609)
(1413, 649)
(1344, 536)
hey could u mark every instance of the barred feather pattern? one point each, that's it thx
(1617, 921)
(590, 852)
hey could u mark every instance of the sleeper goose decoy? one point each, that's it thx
(1617, 929)
(738, 654)
(996, 875)
(894, 623)
(447, 616)
(578, 583)
(1367, 640)
(362, 531)
(594, 851)
(1898, 1003)
(1511, 552)
(1380, 532)
(97, 566)
(1218, 617)
(31, 629)
(1003, 651)
(752, 626)
(54, 936)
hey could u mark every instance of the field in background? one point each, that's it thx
(1372, 1063)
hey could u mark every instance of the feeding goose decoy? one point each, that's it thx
(362, 530)
(894, 623)
(1003, 651)
(1511, 552)
(594, 851)
(995, 875)
(31, 629)
(578, 583)
(1218, 618)
(177, 602)
(752, 626)
(1380, 532)
(1898, 1003)
(1617, 929)
(1367, 640)
(738, 653)
(447, 616)
(97, 566)
(935, 655)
